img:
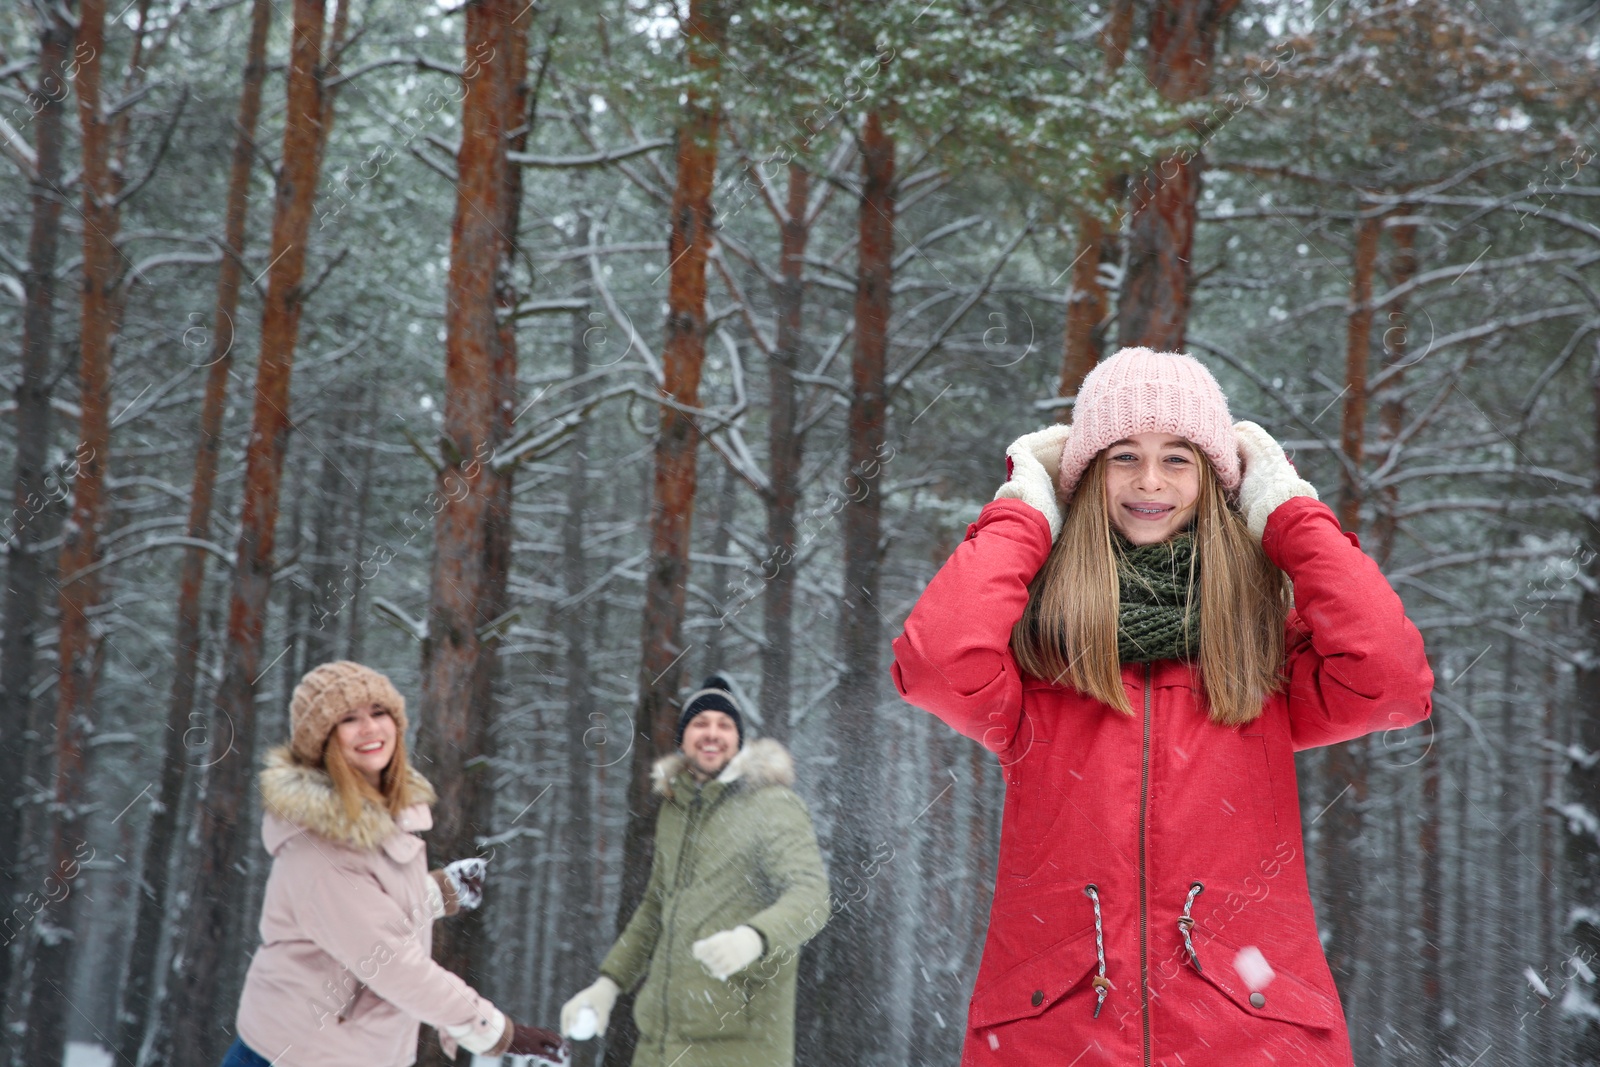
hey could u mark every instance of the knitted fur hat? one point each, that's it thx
(1140, 391)
(714, 694)
(323, 697)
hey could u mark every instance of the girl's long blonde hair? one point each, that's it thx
(1068, 632)
(393, 793)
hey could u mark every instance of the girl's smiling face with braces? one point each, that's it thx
(1152, 486)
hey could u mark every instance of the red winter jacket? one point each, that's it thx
(1145, 808)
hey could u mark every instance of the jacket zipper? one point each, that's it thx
(1144, 904)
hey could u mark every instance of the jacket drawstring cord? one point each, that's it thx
(1186, 922)
(1101, 985)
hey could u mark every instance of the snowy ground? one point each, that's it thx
(84, 1054)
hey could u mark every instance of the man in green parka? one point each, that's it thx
(736, 887)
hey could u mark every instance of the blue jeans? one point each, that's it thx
(241, 1055)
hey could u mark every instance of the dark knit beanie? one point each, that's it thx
(714, 694)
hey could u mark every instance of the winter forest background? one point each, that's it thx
(372, 329)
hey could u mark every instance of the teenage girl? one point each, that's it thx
(1118, 627)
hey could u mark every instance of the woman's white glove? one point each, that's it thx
(1034, 462)
(599, 999)
(1269, 478)
(466, 879)
(728, 952)
(479, 1040)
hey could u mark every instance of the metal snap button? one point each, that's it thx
(1038, 997)
(1258, 1000)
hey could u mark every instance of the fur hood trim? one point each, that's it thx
(306, 797)
(759, 764)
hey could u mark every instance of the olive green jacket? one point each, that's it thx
(737, 850)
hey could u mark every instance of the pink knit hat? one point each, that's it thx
(323, 697)
(1140, 391)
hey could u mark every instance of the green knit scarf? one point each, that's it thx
(1154, 582)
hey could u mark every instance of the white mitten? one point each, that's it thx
(728, 952)
(1035, 462)
(480, 1039)
(1269, 478)
(598, 999)
(466, 878)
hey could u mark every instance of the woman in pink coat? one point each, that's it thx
(1117, 627)
(345, 970)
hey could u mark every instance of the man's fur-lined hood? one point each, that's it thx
(306, 798)
(760, 763)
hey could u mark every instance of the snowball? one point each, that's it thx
(585, 1025)
(1253, 968)
(1536, 982)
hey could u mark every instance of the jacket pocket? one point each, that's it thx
(1286, 998)
(1032, 987)
(700, 1008)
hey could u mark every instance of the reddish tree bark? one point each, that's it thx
(1086, 310)
(673, 488)
(78, 645)
(135, 1015)
(1357, 357)
(855, 1029)
(32, 492)
(784, 451)
(472, 527)
(1344, 772)
(1153, 308)
(1088, 301)
(1392, 408)
(210, 950)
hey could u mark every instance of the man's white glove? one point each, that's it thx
(1034, 462)
(598, 999)
(1269, 478)
(728, 952)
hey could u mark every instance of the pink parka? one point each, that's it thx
(345, 970)
(1157, 857)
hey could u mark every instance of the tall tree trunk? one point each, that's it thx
(355, 636)
(1392, 406)
(455, 675)
(1583, 775)
(1088, 301)
(136, 1014)
(855, 1030)
(31, 488)
(321, 605)
(1153, 308)
(1086, 309)
(720, 586)
(1550, 1028)
(1345, 767)
(78, 644)
(784, 452)
(1431, 910)
(209, 953)
(581, 920)
(1357, 359)
(673, 488)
